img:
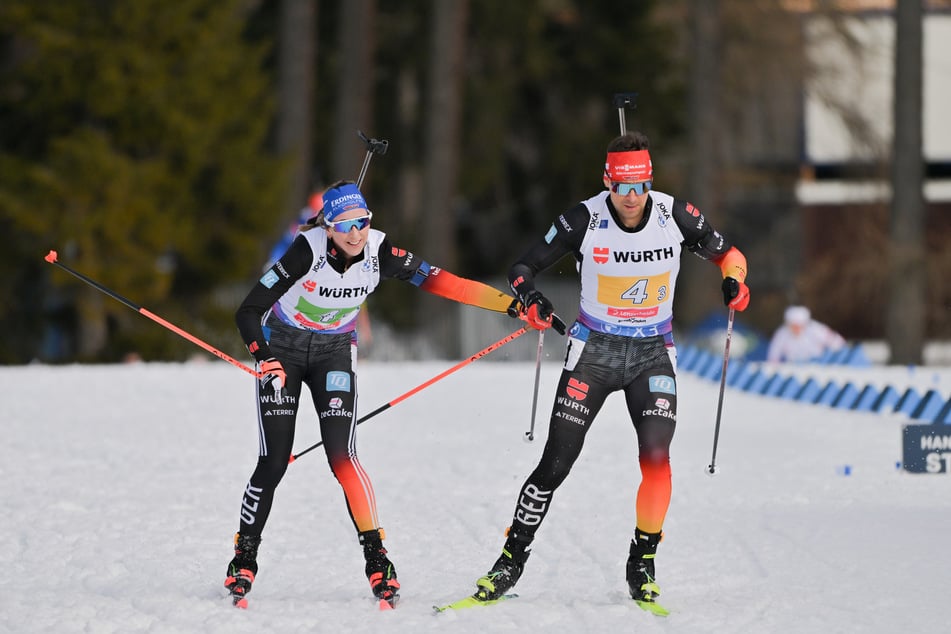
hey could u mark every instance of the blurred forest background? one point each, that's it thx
(162, 148)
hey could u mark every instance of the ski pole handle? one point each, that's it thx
(374, 146)
(621, 101)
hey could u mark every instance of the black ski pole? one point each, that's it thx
(530, 434)
(712, 467)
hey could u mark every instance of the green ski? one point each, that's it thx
(470, 602)
(653, 607)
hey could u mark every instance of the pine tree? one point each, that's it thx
(132, 139)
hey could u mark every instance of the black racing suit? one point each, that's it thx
(641, 367)
(325, 364)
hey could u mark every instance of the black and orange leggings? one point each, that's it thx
(643, 371)
(324, 363)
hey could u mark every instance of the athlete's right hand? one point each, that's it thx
(272, 375)
(736, 294)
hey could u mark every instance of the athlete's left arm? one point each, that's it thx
(404, 265)
(706, 242)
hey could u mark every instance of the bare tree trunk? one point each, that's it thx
(296, 77)
(407, 151)
(441, 147)
(356, 45)
(441, 139)
(905, 313)
(695, 282)
(93, 329)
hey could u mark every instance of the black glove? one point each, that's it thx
(736, 294)
(539, 313)
(537, 310)
(538, 307)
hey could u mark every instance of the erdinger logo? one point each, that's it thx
(347, 201)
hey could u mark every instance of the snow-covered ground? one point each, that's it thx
(121, 488)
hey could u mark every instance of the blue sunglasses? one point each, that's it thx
(344, 226)
(623, 189)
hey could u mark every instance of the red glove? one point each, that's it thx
(273, 376)
(537, 311)
(736, 294)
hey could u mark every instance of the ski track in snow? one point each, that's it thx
(123, 485)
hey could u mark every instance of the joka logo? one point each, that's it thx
(693, 211)
(310, 285)
(601, 255)
(336, 402)
(577, 390)
(338, 382)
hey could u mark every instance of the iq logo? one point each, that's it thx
(663, 384)
(338, 382)
(270, 279)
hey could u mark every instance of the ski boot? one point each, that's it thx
(640, 571)
(379, 569)
(506, 570)
(242, 568)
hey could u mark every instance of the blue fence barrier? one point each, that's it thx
(758, 378)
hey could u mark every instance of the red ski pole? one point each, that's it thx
(478, 355)
(51, 257)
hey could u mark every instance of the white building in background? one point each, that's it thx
(848, 107)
